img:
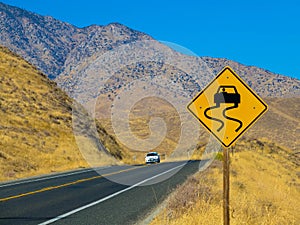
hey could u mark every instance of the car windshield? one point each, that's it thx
(152, 154)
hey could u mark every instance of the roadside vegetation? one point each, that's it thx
(265, 189)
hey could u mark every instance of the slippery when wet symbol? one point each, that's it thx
(227, 107)
(223, 96)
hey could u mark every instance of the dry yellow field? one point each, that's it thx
(265, 189)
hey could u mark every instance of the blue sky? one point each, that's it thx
(260, 33)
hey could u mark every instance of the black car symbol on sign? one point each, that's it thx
(226, 97)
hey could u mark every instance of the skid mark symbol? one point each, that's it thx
(222, 96)
(212, 118)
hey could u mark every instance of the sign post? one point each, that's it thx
(227, 107)
(226, 186)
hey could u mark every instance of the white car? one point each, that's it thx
(152, 157)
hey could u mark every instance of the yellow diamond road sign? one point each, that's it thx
(227, 107)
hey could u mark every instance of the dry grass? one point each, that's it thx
(281, 124)
(264, 190)
(36, 135)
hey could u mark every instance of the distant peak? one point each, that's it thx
(116, 24)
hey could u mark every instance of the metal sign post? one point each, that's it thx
(226, 162)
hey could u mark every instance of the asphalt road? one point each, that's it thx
(107, 195)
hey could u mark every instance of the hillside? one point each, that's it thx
(280, 125)
(167, 85)
(36, 125)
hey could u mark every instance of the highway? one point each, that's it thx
(107, 195)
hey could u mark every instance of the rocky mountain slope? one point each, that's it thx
(49, 43)
(36, 128)
(57, 48)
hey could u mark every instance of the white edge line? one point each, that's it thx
(51, 177)
(106, 198)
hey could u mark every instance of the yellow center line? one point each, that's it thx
(63, 185)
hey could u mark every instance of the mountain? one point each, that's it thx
(36, 128)
(57, 48)
(96, 65)
(48, 43)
